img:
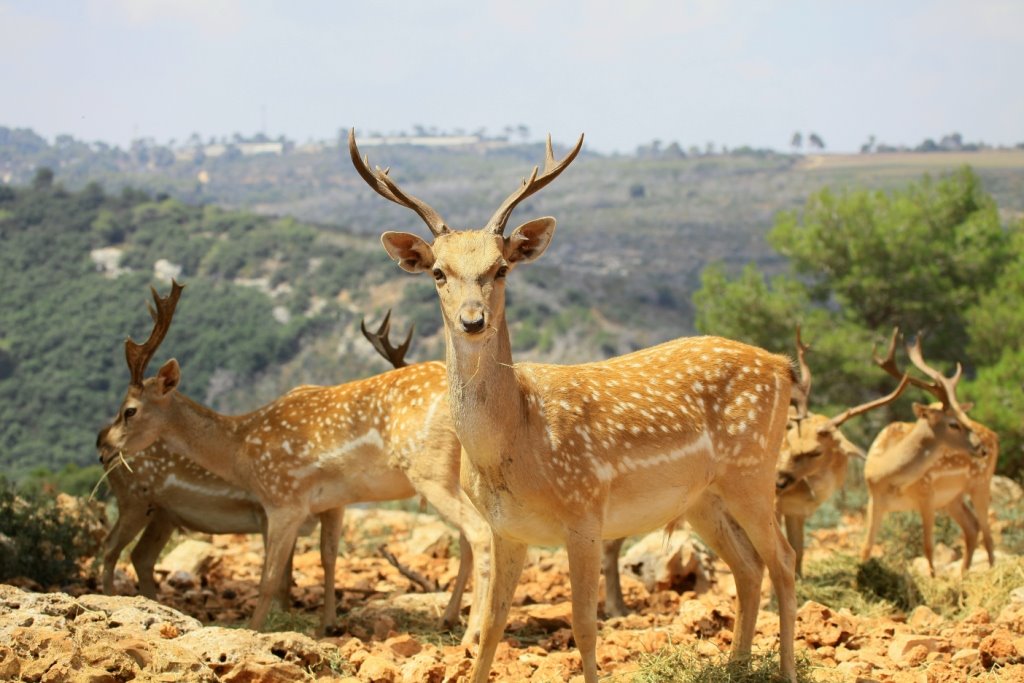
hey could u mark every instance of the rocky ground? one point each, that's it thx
(387, 628)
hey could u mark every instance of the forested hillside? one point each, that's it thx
(280, 256)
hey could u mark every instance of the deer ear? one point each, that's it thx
(412, 253)
(169, 377)
(529, 240)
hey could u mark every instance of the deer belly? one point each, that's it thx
(224, 516)
(654, 509)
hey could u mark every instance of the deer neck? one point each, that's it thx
(484, 393)
(206, 437)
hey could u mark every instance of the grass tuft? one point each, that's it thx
(683, 664)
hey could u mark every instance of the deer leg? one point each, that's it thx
(585, 549)
(147, 550)
(720, 531)
(964, 516)
(282, 529)
(755, 515)
(478, 535)
(928, 530)
(981, 498)
(876, 511)
(507, 562)
(451, 613)
(614, 605)
(131, 519)
(795, 535)
(330, 537)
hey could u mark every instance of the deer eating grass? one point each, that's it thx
(164, 491)
(571, 455)
(158, 491)
(310, 452)
(815, 455)
(932, 464)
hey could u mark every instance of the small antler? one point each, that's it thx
(802, 389)
(380, 341)
(382, 183)
(139, 355)
(870, 405)
(531, 185)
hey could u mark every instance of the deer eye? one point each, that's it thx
(502, 272)
(438, 275)
(130, 412)
(955, 425)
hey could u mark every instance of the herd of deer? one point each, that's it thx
(696, 429)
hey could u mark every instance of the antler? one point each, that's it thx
(382, 183)
(946, 386)
(139, 355)
(380, 341)
(942, 388)
(870, 405)
(531, 185)
(802, 389)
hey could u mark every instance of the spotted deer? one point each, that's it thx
(571, 455)
(310, 452)
(158, 491)
(932, 464)
(163, 491)
(815, 455)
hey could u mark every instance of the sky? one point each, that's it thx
(625, 72)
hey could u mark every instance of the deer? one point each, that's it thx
(815, 454)
(310, 452)
(571, 455)
(157, 491)
(932, 464)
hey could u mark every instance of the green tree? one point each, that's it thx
(932, 257)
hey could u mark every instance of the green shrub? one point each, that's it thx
(38, 540)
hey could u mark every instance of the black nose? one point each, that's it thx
(473, 326)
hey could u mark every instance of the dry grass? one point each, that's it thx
(684, 664)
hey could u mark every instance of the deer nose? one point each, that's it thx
(474, 326)
(100, 437)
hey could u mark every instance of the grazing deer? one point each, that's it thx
(815, 455)
(158, 490)
(571, 455)
(310, 452)
(933, 463)
(164, 491)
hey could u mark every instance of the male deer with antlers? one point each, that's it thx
(815, 455)
(933, 463)
(158, 490)
(570, 455)
(311, 452)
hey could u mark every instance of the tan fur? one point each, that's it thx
(572, 455)
(928, 467)
(313, 451)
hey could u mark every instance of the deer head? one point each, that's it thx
(469, 267)
(136, 425)
(947, 419)
(812, 442)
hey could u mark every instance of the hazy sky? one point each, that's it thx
(625, 72)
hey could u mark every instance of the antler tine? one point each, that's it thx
(803, 388)
(139, 355)
(532, 185)
(943, 387)
(383, 184)
(870, 405)
(380, 342)
(889, 365)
